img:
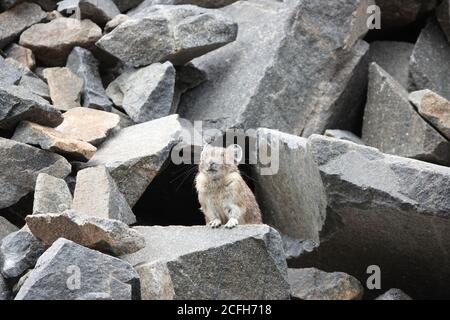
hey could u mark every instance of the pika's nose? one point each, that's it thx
(212, 166)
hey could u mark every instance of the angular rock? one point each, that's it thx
(314, 284)
(52, 42)
(200, 3)
(394, 294)
(83, 63)
(100, 275)
(187, 77)
(6, 228)
(443, 17)
(344, 135)
(51, 195)
(20, 282)
(92, 126)
(125, 5)
(399, 13)
(21, 54)
(197, 263)
(19, 252)
(18, 104)
(107, 235)
(429, 67)
(125, 121)
(393, 57)
(392, 125)
(96, 194)
(50, 139)
(5, 293)
(35, 85)
(65, 87)
(145, 94)
(24, 164)
(174, 33)
(301, 72)
(98, 11)
(14, 21)
(289, 190)
(134, 155)
(8, 74)
(386, 211)
(68, 7)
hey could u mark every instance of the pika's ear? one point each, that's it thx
(235, 151)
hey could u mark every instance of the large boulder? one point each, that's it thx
(22, 164)
(6, 227)
(51, 195)
(297, 67)
(196, 263)
(68, 271)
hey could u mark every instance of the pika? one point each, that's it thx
(223, 194)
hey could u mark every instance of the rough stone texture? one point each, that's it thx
(50, 139)
(344, 135)
(289, 190)
(6, 227)
(19, 252)
(443, 17)
(20, 104)
(113, 23)
(13, 22)
(51, 195)
(394, 294)
(83, 63)
(101, 275)
(187, 77)
(98, 11)
(196, 263)
(21, 54)
(89, 125)
(8, 74)
(24, 164)
(65, 88)
(134, 155)
(291, 68)
(107, 235)
(384, 210)
(52, 42)
(314, 284)
(175, 33)
(392, 125)
(398, 13)
(97, 194)
(429, 67)
(434, 108)
(145, 94)
(5, 293)
(393, 57)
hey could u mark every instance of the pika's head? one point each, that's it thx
(217, 162)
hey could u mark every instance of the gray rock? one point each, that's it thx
(394, 294)
(125, 5)
(35, 85)
(443, 17)
(14, 21)
(174, 33)
(200, 3)
(6, 228)
(83, 63)
(197, 263)
(344, 135)
(9, 75)
(56, 272)
(125, 121)
(19, 252)
(24, 164)
(314, 284)
(98, 11)
(51, 195)
(393, 57)
(107, 235)
(399, 13)
(289, 189)
(145, 94)
(5, 293)
(392, 125)
(386, 211)
(19, 283)
(68, 6)
(429, 67)
(187, 77)
(97, 194)
(22, 55)
(294, 67)
(135, 154)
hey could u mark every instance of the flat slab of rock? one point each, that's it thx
(52, 42)
(24, 163)
(145, 94)
(50, 139)
(51, 195)
(314, 284)
(22, 55)
(6, 228)
(392, 125)
(135, 154)
(89, 125)
(65, 88)
(98, 11)
(394, 294)
(107, 235)
(14, 21)
(287, 79)
(201, 263)
(96, 194)
(100, 275)
(434, 109)
(161, 33)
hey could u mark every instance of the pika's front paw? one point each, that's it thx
(231, 223)
(215, 223)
